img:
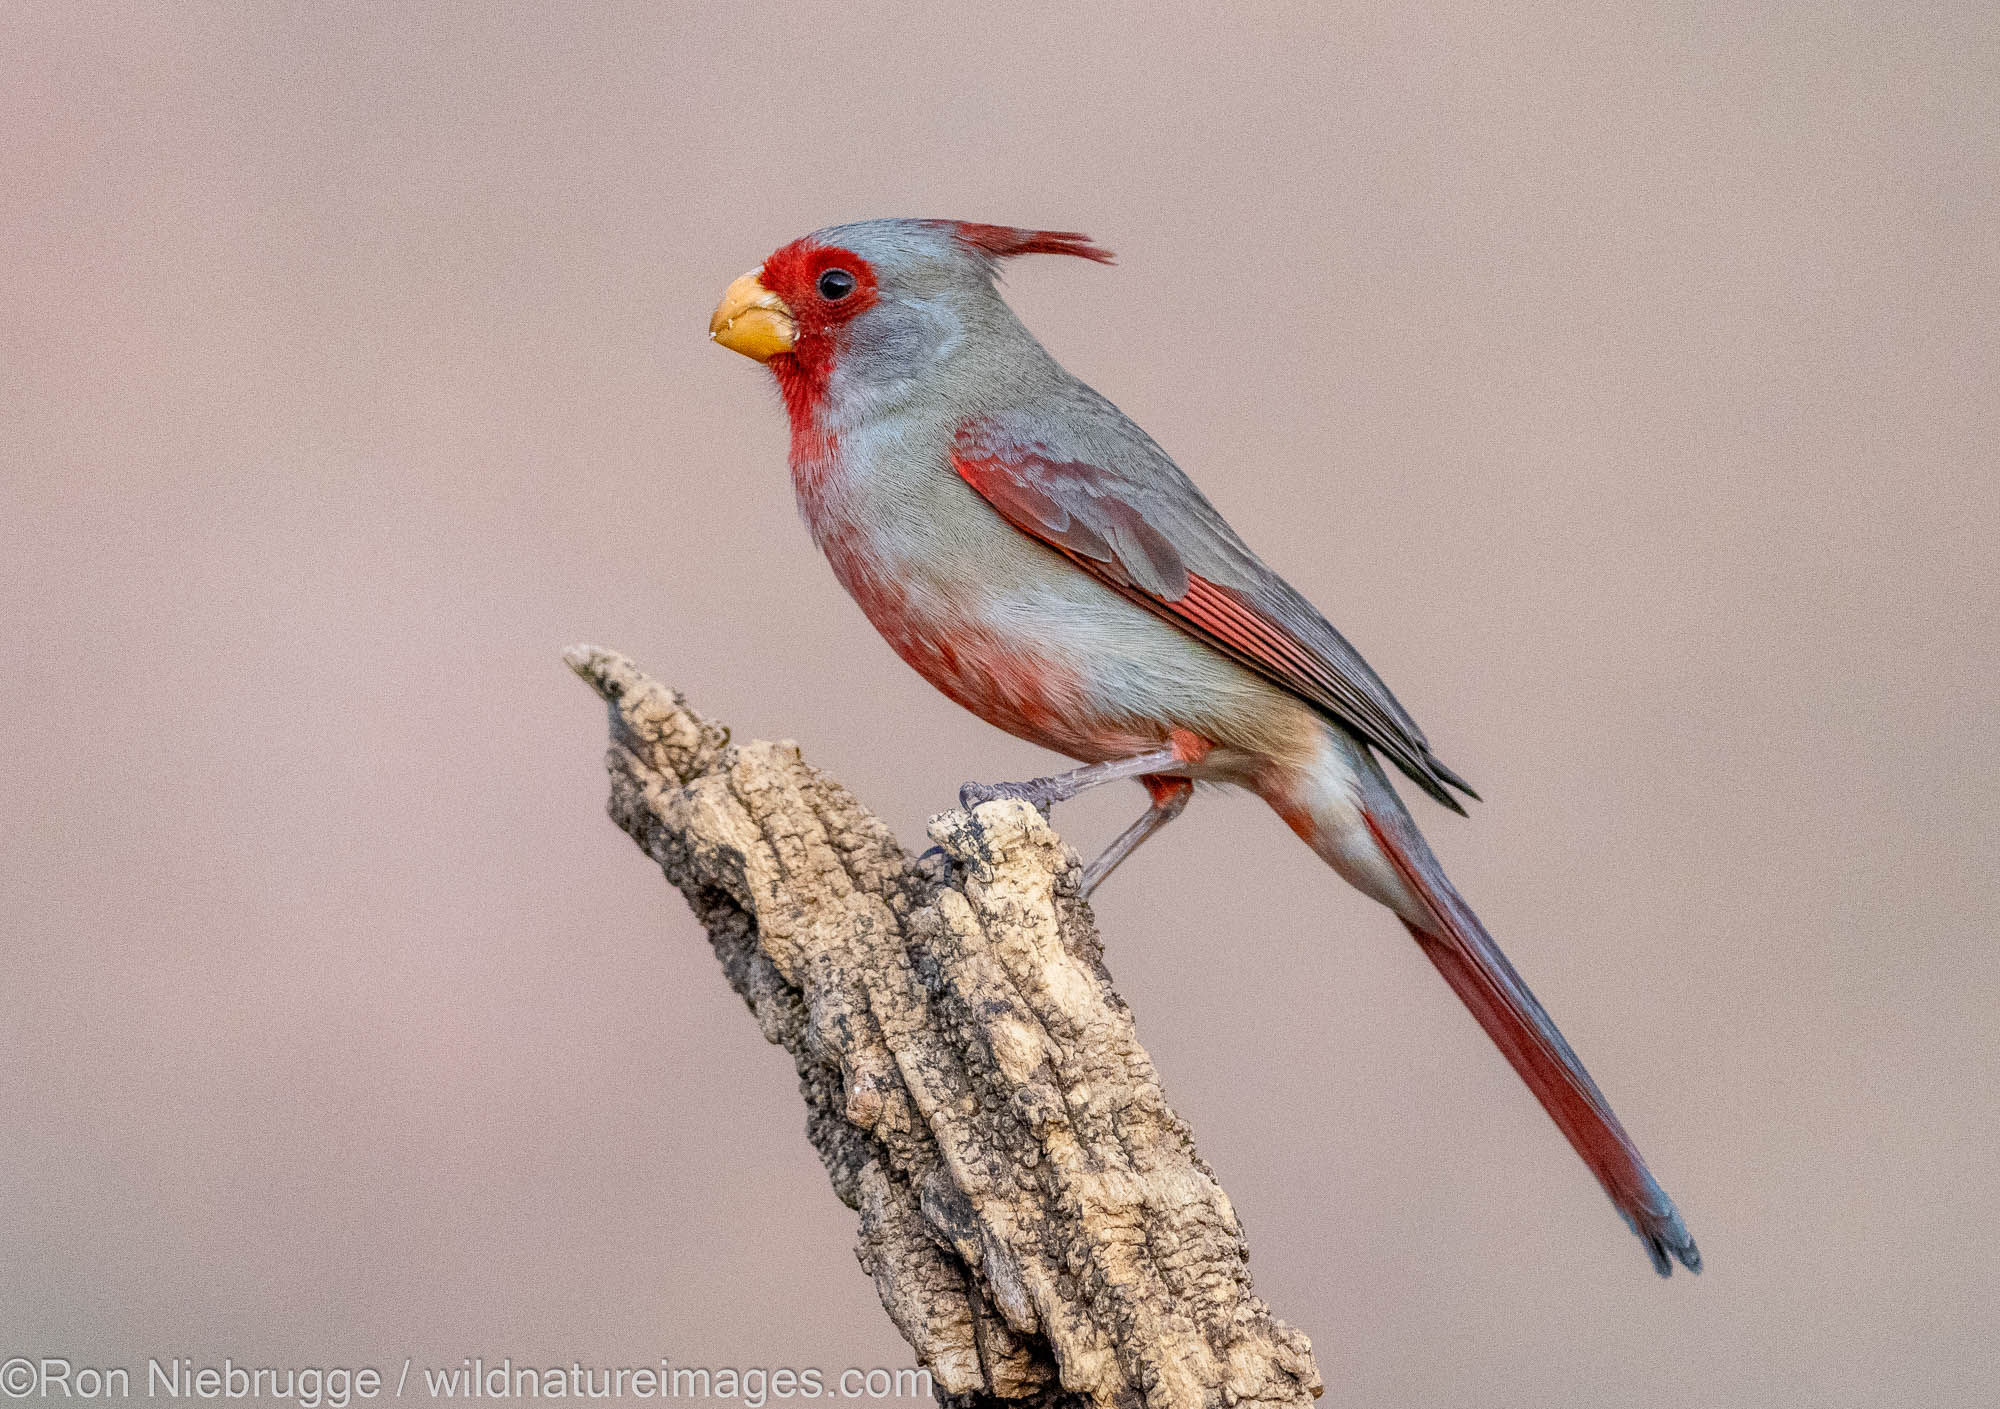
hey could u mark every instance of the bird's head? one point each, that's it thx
(860, 313)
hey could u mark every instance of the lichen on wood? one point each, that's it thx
(1035, 1217)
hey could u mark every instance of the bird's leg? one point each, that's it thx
(1045, 793)
(1170, 799)
(1183, 748)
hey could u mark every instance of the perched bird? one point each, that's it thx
(1034, 555)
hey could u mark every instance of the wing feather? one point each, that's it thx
(1144, 529)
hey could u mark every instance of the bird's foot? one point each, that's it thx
(1045, 793)
(934, 866)
(1040, 793)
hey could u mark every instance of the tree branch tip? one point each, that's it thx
(606, 672)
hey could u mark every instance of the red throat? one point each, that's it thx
(802, 377)
(803, 374)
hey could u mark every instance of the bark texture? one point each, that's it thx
(1034, 1215)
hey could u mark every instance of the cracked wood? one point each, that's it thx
(1034, 1216)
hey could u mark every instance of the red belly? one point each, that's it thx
(1030, 694)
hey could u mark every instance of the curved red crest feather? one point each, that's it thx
(1006, 241)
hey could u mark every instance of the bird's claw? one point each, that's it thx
(1034, 792)
(934, 866)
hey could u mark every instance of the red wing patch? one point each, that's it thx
(1098, 519)
(1077, 508)
(1136, 558)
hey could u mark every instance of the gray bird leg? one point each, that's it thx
(1045, 793)
(1170, 799)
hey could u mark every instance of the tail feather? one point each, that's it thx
(1486, 982)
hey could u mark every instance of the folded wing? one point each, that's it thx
(1117, 506)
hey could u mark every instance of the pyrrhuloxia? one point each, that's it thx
(1033, 554)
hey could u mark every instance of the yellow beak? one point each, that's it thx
(752, 320)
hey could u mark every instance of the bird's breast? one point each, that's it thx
(1001, 623)
(952, 588)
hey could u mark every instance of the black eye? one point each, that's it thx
(835, 284)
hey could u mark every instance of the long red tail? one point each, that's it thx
(1481, 976)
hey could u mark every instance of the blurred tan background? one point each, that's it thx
(1623, 384)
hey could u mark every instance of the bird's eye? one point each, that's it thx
(835, 284)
